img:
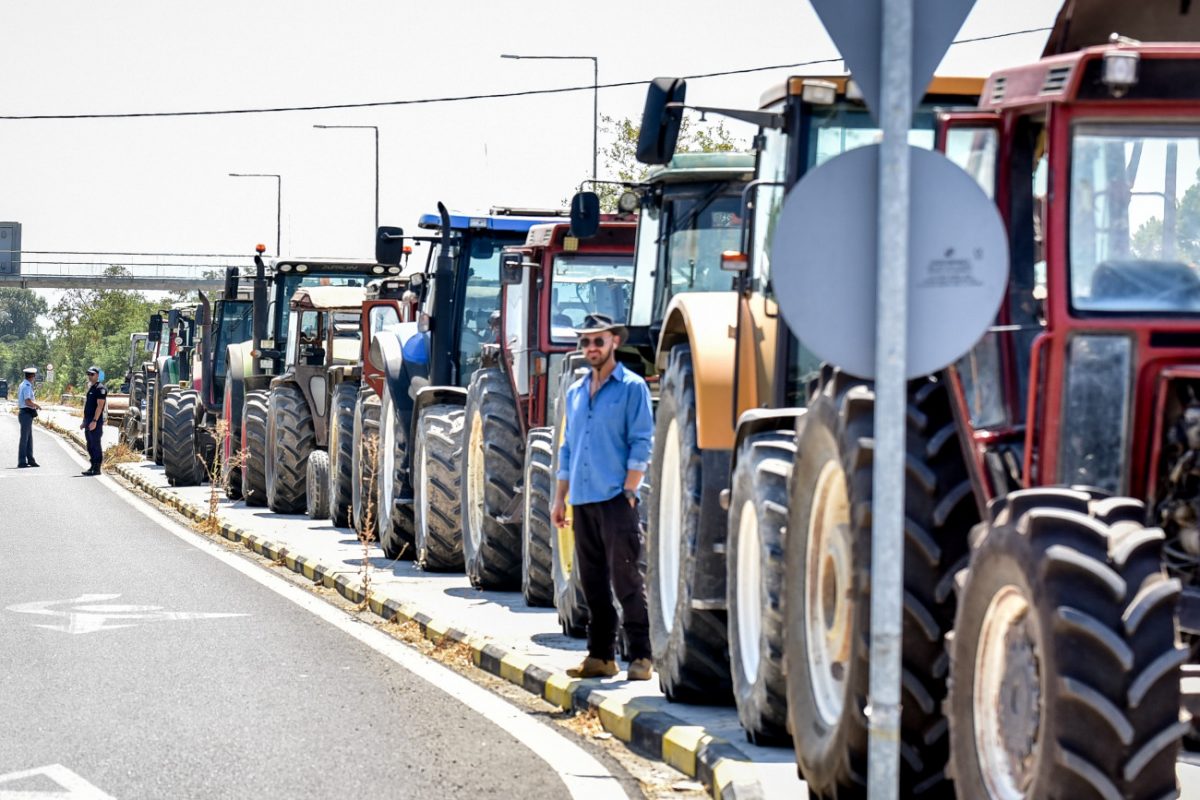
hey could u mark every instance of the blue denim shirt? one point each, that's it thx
(607, 435)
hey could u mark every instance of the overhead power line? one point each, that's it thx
(465, 97)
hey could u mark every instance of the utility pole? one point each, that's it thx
(278, 200)
(374, 128)
(595, 99)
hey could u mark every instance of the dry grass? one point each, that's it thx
(211, 523)
(366, 531)
(587, 723)
(120, 453)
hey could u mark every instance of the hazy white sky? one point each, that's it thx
(161, 184)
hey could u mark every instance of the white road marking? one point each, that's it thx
(583, 775)
(87, 616)
(74, 787)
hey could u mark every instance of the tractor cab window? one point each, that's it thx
(481, 299)
(236, 325)
(310, 349)
(1135, 218)
(695, 231)
(582, 285)
(839, 128)
(347, 335)
(646, 264)
(381, 317)
(287, 287)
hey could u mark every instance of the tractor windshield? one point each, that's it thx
(287, 285)
(583, 285)
(236, 325)
(695, 231)
(1135, 219)
(481, 297)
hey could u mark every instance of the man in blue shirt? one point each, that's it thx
(605, 452)
(26, 411)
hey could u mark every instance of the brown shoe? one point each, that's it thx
(640, 669)
(594, 668)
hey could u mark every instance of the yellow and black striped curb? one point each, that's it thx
(715, 762)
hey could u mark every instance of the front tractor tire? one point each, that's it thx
(537, 530)
(1065, 671)
(341, 453)
(393, 492)
(436, 485)
(255, 413)
(316, 504)
(828, 546)
(491, 478)
(755, 583)
(182, 450)
(690, 643)
(290, 440)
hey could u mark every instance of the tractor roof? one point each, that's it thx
(516, 220)
(692, 167)
(615, 232)
(1086, 23)
(327, 265)
(945, 89)
(327, 298)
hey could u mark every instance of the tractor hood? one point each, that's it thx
(1086, 23)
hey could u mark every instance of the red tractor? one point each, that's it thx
(549, 285)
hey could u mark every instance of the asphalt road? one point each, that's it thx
(140, 663)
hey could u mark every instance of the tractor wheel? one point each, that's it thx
(365, 465)
(231, 448)
(290, 440)
(317, 485)
(572, 607)
(137, 390)
(255, 413)
(491, 478)
(537, 583)
(182, 456)
(131, 431)
(691, 647)
(341, 453)
(161, 390)
(436, 482)
(148, 420)
(1065, 672)
(393, 493)
(754, 583)
(828, 544)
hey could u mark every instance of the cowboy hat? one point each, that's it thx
(601, 323)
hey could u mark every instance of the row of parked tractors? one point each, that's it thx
(1051, 538)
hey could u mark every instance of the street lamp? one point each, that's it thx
(376, 129)
(278, 199)
(595, 97)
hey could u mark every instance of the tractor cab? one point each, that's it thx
(550, 284)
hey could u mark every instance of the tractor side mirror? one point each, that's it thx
(155, 332)
(659, 132)
(585, 215)
(389, 245)
(510, 269)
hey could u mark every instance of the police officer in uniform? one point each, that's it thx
(93, 418)
(26, 411)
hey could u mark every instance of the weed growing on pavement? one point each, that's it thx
(586, 723)
(366, 531)
(211, 524)
(119, 453)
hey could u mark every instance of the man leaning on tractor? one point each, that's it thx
(604, 454)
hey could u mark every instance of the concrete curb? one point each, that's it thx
(713, 761)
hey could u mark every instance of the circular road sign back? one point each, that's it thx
(824, 255)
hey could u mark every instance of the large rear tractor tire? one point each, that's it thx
(537, 582)
(828, 544)
(148, 419)
(255, 413)
(393, 492)
(690, 644)
(290, 440)
(317, 485)
(754, 583)
(491, 478)
(1065, 672)
(436, 485)
(341, 453)
(182, 451)
(365, 465)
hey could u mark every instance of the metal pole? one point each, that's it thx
(376, 128)
(891, 309)
(278, 213)
(595, 115)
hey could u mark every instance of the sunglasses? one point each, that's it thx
(597, 341)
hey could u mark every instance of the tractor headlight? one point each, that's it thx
(1095, 412)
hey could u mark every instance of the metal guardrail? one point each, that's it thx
(77, 281)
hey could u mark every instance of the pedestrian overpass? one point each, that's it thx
(136, 271)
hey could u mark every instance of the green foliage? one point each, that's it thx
(92, 326)
(22, 341)
(1148, 240)
(620, 156)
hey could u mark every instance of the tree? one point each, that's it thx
(19, 312)
(621, 155)
(1148, 240)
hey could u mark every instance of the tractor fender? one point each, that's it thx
(238, 362)
(400, 352)
(707, 321)
(761, 420)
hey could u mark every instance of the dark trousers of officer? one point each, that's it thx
(25, 446)
(608, 550)
(93, 444)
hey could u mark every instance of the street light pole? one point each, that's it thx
(595, 98)
(278, 200)
(365, 127)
